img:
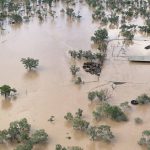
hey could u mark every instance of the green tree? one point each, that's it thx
(19, 130)
(69, 116)
(100, 36)
(144, 140)
(3, 136)
(91, 95)
(39, 136)
(16, 18)
(108, 111)
(143, 99)
(6, 90)
(2, 4)
(74, 70)
(49, 2)
(102, 132)
(27, 146)
(30, 63)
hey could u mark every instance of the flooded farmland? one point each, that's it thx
(49, 90)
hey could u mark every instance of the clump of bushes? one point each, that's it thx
(74, 69)
(16, 18)
(107, 111)
(87, 55)
(138, 120)
(59, 147)
(100, 35)
(101, 96)
(125, 106)
(143, 99)
(79, 80)
(78, 123)
(20, 131)
(144, 140)
(101, 132)
(6, 90)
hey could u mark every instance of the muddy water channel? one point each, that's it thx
(50, 91)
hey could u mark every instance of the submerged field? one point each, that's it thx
(49, 90)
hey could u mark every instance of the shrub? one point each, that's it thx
(138, 120)
(102, 132)
(17, 18)
(20, 131)
(144, 140)
(102, 95)
(143, 99)
(74, 70)
(108, 111)
(6, 90)
(99, 36)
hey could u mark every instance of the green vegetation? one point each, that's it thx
(107, 111)
(125, 106)
(143, 99)
(20, 132)
(101, 132)
(77, 122)
(70, 12)
(78, 80)
(74, 70)
(144, 140)
(30, 63)
(87, 55)
(101, 96)
(100, 36)
(16, 18)
(59, 147)
(6, 90)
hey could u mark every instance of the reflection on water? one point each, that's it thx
(6, 104)
(32, 74)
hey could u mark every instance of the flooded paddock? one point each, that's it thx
(50, 91)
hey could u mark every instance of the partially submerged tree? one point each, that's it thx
(107, 111)
(30, 63)
(100, 35)
(40, 136)
(145, 139)
(125, 106)
(6, 90)
(102, 132)
(16, 18)
(20, 131)
(78, 80)
(74, 70)
(102, 95)
(60, 147)
(143, 99)
(138, 120)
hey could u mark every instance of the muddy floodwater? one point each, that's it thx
(50, 91)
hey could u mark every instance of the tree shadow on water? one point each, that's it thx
(6, 103)
(32, 74)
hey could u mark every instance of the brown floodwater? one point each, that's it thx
(50, 91)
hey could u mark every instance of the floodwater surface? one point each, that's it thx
(50, 91)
